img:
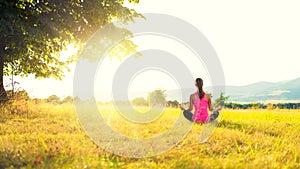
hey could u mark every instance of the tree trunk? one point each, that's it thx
(3, 95)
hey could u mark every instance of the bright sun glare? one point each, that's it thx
(70, 50)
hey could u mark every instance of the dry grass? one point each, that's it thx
(49, 136)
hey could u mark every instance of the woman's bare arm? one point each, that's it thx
(191, 103)
(210, 107)
(209, 102)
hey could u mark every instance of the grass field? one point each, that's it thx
(48, 136)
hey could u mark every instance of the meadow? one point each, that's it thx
(50, 136)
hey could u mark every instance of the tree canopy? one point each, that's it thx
(220, 101)
(34, 32)
(157, 97)
(139, 101)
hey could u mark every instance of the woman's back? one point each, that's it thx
(201, 106)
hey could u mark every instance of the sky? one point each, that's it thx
(255, 40)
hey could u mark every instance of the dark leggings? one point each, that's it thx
(188, 115)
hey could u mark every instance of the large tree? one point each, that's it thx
(34, 32)
(157, 97)
(139, 101)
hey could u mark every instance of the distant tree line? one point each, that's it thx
(269, 106)
(24, 96)
(154, 98)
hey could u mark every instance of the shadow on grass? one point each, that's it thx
(231, 125)
(9, 159)
(3, 121)
(251, 128)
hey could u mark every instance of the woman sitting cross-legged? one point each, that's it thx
(202, 102)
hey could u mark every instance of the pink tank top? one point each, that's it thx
(201, 112)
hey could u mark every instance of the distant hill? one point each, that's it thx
(284, 91)
(265, 91)
(257, 92)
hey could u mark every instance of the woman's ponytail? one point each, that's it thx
(199, 83)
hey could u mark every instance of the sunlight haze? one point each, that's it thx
(255, 41)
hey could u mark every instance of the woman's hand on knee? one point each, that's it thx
(182, 108)
(218, 108)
